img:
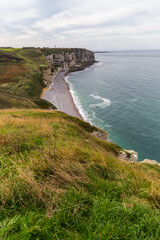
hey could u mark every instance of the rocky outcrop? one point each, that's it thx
(73, 57)
(102, 135)
(129, 155)
(153, 162)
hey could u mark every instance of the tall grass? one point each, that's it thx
(56, 185)
(22, 78)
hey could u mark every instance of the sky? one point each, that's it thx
(93, 24)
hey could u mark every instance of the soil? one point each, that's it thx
(9, 72)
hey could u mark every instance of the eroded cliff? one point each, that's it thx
(71, 57)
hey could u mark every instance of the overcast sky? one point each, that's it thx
(92, 24)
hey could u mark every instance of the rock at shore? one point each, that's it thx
(129, 155)
(102, 135)
(153, 162)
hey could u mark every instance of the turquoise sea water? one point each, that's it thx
(121, 94)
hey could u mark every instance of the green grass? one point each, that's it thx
(27, 85)
(9, 49)
(57, 181)
(30, 82)
(11, 100)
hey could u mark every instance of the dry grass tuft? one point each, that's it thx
(44, 154)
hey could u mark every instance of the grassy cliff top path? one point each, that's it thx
(58, 181)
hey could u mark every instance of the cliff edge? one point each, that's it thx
(59, 181)
(23, 73)
(70, 58)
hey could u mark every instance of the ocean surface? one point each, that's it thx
(121, 94)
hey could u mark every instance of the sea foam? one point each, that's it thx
(105, 102)
(77, 102)
(98, 64)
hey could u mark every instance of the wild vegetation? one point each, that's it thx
(21, 76)
(57, 181)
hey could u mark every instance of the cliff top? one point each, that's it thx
(21, 76)
(58, 181)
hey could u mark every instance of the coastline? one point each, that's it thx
(75, 99)
(59, 92)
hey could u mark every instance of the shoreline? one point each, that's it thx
(58, 93)
(60, 96)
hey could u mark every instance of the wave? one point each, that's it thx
(77, 102)
(101, 123)
(98, 63)
(134, 100)
(105, 102)
(94, 65)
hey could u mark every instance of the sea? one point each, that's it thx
(121, 94)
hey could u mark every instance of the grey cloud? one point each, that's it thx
(95, 24)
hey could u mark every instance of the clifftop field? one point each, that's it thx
(21, 78)
(22, 73)
(60, 182)
(57, 180)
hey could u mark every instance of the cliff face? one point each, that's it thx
(71, 58)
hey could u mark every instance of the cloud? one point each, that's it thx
(94, 24)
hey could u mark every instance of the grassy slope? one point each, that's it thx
(60, 182)
(21, 78)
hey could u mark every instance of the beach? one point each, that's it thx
(59, 95)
